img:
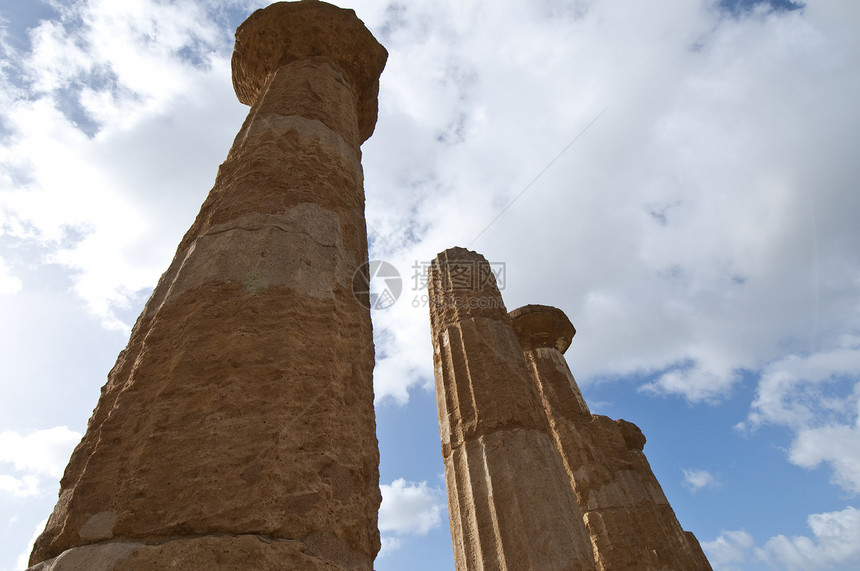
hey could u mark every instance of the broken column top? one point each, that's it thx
(542, 326)
(285, 32)
(462, 286)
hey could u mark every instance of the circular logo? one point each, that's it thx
(376, 284)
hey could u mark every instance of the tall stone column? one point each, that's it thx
(510, 503)
(237, 430)
(629, 519)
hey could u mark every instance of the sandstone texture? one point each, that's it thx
(510, 503)
(237, 430)
(631, 524)
(510, 413)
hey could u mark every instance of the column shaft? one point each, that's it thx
(237, 428)
(629, 519)
(510, 504)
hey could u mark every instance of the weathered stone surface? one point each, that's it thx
(631, 524)
(545, 333)
(510, 502)
(539, 326)
(299, 31)
(243, 403)
(214, 552)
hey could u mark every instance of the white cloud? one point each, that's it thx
(408, 509)
(696, 480)
(704, 226)
(43, 453)
(834, 545)
(681, 228)
(730, 548)
(24, 557)
(19, 487)
(390, 544)
(402, 337)
(38, 458)
(100, 169)
(139, 43)
(695, 383)
(795, 390)
(817, 397)
(9, 284)
(838, 446)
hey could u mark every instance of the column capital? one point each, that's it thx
(542, 326)
(285, 32)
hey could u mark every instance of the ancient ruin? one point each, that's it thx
(509, 501)
(237, 429)
(535, 481)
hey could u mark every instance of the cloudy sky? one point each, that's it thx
(679, 176)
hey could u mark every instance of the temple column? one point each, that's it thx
(510, 503)
(629, 519)
(237, 428)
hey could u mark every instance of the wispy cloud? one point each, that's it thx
(19, 487)
(24, 557)
(707, 219)
(696, 480)
(94, 139)
(695, 130)
(408, 508)
(834, 544)
(816, 397)
(9, 284)
(38, 456)
(837, 445)
(730, 548)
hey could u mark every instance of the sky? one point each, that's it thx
(679, 176)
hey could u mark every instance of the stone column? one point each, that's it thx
(237, 430)
(629, 519)
(510, 503)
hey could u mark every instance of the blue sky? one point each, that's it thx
(701, 234)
